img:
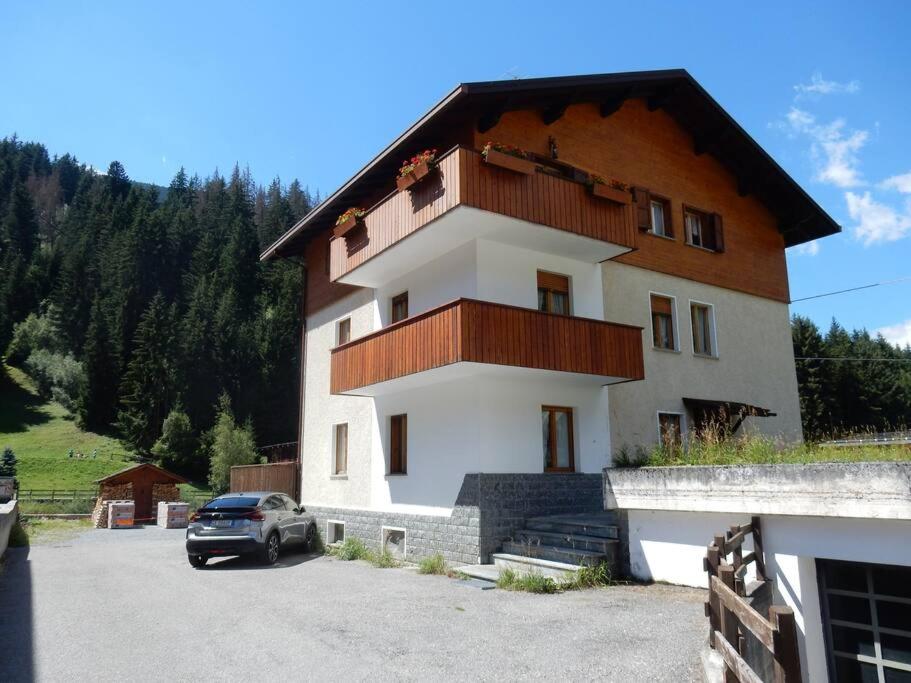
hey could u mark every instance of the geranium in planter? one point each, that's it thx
(348, 221)
(415, 169)
(611, 190)
(509, 157)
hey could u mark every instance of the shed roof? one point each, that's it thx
(675, 91)
(176, 478)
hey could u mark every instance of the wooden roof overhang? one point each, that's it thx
(160, 472)
(481, 104)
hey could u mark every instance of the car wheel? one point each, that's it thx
(270, 549)
(198, 561)
(308, 539)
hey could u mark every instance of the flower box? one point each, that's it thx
(510, 162)
(421, 170)
(342, 228)
(611, 194)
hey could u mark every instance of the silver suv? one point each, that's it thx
(260, 523)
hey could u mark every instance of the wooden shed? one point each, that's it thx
(145, 484)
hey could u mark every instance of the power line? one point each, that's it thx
(871, 360)
(853, 289)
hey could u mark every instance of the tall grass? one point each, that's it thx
(713, 446)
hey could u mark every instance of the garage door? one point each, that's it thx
(867, 621)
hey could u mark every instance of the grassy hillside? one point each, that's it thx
(41, 433)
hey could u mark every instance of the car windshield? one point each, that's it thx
(232, 502)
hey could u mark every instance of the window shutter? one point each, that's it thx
(719, 231)
(643, 208)
(661, 304)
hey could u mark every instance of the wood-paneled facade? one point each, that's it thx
(473, 331)
(650, 149)
(463, 178)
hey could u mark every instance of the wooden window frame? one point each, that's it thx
(336, 429)
(668, 217)
(547, 284)
(712, 332)
(710, 223)
(343, 324)
(675, 332)
(397, 299)
(681, 416)
(398, 456)
(552, 431)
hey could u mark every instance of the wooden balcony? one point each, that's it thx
(470, 331)
(463, 179)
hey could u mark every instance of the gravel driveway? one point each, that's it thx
(125, 604)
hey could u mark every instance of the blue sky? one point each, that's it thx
(315, 91)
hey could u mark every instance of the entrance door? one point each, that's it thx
(142, 497)
(557, 433)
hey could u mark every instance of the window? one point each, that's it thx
(703, 229)
(343, 332)
(289, 504)
(661, 216)
(398, 444)
(663, 333)
(393, 541)
(557, 433)
(670, 430)
(273, 503)
(340, 452)
(703, 320)
(865, 611)
(553, 293)
(400, 307)
(335, 531)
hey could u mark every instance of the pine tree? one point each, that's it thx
(8, 463)
(147, 391)
(97, 405)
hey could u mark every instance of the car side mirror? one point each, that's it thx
(301, 510)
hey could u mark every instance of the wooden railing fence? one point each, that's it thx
(731, 615)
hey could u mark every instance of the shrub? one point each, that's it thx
(231, 445)
(350, 549)
(57, 376)
(36, 332)
(177, 446)
(383, 560)
(530, 583)
(435, 564)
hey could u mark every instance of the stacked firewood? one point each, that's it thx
(108, 493)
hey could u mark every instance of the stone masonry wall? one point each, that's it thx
(489, 509)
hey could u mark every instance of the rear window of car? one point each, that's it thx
(232, 502)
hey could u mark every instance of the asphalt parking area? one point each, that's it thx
(125, 604)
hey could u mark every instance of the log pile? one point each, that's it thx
(108, 493)
(164, 493)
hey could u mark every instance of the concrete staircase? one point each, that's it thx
(557, 546)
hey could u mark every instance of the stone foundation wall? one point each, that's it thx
(489, 509)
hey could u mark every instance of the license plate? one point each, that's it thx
(221, 523)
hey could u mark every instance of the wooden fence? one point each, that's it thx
(278, 476)
(53, 495)
(731, 616)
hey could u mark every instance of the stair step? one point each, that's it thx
(522, 564)
(567, 540)
(556, 554)
(484, 572)
(582, 526)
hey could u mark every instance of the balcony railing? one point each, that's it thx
(473, 331)
(462, 178)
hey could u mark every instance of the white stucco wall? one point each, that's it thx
(669, 546)
(755, 362)
(489, 422)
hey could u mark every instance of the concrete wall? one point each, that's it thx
(9, 513)
(755, 362)
(669, 546)
(847, 511)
